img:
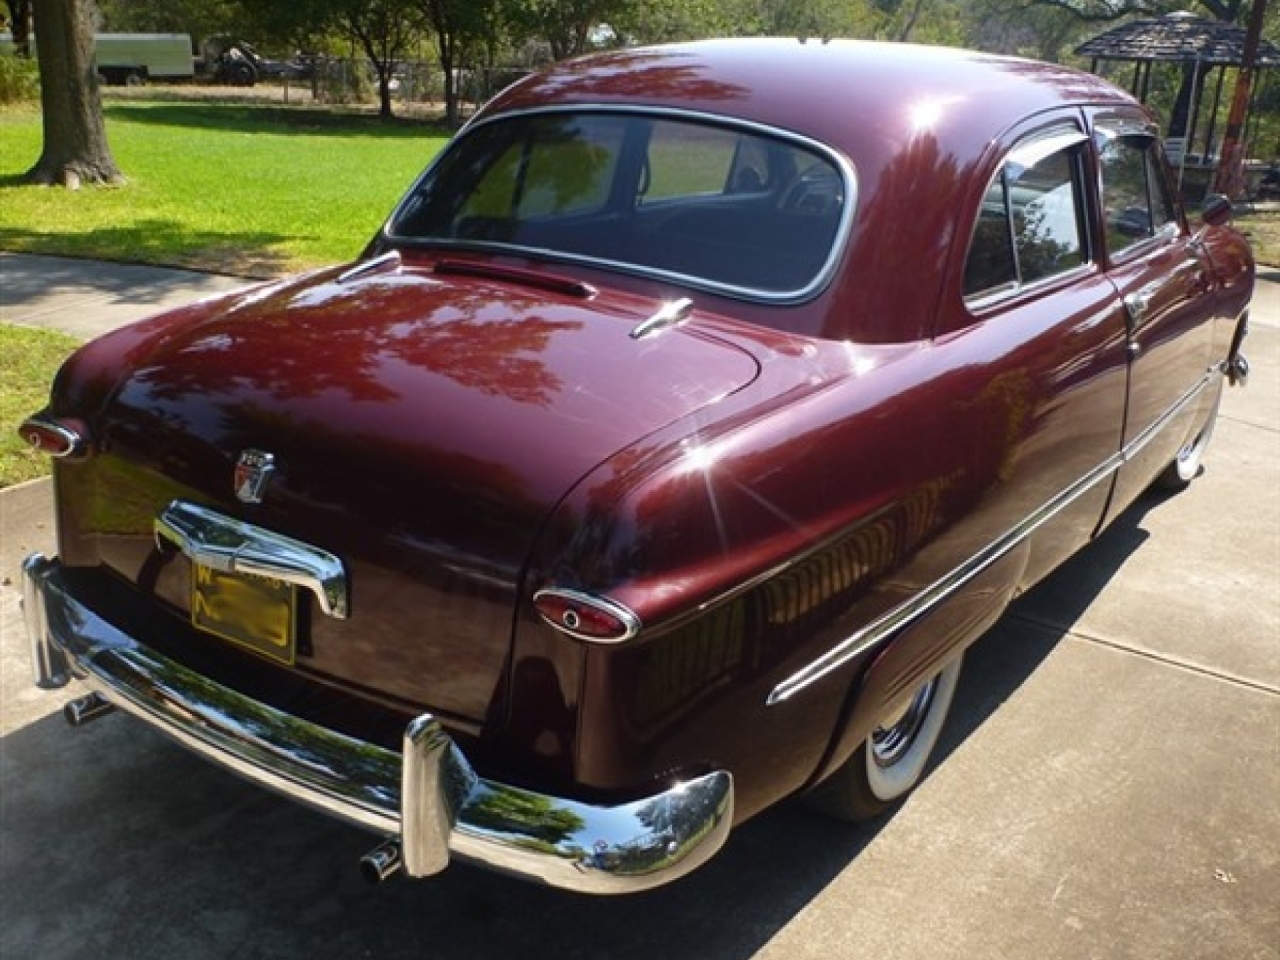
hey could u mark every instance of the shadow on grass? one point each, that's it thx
(244, 118)
(160, 242)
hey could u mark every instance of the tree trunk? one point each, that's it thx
(445, 49)
(385, 110)
(75, 137)
(20, 29)
(1230, 176)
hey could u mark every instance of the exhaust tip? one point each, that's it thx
(381, 863)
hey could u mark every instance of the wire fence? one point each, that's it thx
(416, 85)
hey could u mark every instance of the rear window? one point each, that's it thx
(735, 209)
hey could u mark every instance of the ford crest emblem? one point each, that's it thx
(253, 470)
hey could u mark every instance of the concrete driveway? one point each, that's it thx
(1109, 786)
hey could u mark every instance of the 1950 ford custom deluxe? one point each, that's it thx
(658, 460)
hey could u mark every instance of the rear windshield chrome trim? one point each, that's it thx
(810, 290)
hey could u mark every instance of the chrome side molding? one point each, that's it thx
(226, 544)
(913, 609)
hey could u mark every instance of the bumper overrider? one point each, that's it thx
(427, 801)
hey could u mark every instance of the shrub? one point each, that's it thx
(19, 80)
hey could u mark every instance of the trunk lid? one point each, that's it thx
(422, 430)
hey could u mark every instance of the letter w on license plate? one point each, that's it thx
(260, 613)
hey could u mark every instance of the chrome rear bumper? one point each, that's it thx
(427, 798)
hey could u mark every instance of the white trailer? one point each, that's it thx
(136, 57)
(139, 57)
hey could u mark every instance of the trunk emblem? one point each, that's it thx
(253, 470)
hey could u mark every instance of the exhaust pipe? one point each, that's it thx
(87, 709)
(381, 862)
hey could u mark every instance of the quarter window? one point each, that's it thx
(1031, 225)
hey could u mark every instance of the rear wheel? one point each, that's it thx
(890, 762)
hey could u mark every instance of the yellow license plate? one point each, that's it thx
(256, 612)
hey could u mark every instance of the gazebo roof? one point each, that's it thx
(1177, 38)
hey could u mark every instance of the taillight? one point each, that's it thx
(586, 617)
(54, 437)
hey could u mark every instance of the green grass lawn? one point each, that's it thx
(28, 360)
(1263, 231)
(223, 187)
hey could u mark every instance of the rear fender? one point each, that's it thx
(921, 650)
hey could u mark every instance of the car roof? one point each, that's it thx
(923, 127)
(842, 92)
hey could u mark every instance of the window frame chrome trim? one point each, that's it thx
(822, 278)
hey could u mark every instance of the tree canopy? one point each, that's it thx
(464, 37)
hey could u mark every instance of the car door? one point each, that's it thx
(1053, 407)
(1164, 282)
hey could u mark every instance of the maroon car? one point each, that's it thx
(687, 420)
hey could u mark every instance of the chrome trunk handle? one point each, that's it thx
(224, 543)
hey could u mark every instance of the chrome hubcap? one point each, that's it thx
(892, 739)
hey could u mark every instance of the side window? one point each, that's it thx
(566, 168)
(688, 160)
(991, 265)
(1031, 224)
(1135, 196)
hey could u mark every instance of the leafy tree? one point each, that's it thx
(385, 29)
(281, 25)
(565, 25)
(459, 27)
(1041, 32)
(199, 18)
(665, 21)
(805, 18)
(75, 136)
(1109, 11)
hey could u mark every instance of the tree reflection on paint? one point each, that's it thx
(348, 340)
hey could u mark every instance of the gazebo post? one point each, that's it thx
(1193, 117)
(1213, 116)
